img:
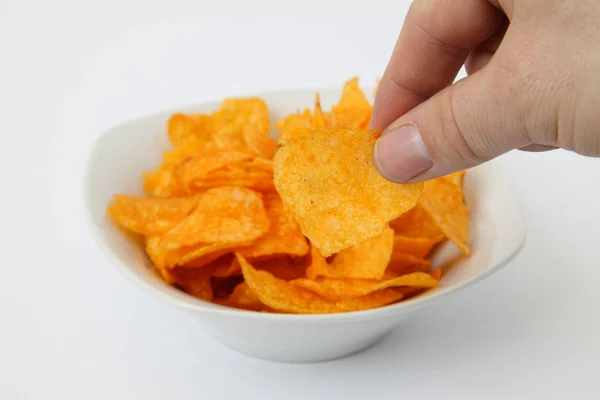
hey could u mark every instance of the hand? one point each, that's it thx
(533, 84)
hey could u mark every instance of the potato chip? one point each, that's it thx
(455, 178)
(242, 297)
(226, 270)
(341, 289)
(198, 167)
(436, 274)
(245, 120)
(294, 125)
(319, 120)
(150, 216)
(353, 110)
(285, 297)
(188, 132)
(318, 263)
(223, 215)
(327, 180)
(195, 256)
(416, 223)
(367, 260)
(444, 203)
(285, 268)
(283, 237)
(416, 246)
(402, 264)
(195, 281)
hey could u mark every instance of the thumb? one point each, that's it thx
(465, 124)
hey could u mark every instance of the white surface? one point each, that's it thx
(497, 233)
(71, 328)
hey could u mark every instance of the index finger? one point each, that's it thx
(435, 40)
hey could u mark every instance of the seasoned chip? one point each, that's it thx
(188, 132)
(402, 264)
(285, 297)
(242, 297)
(319, 120)
(455, 178)
(416, 246)
(150, 216)
(341, 289)
(285, 268)
(284, 235)
(195, 281)
(223, 215)
(353, 110)
(198, 167)
(243, 123)
(416, 223)
(318, 263)
(163, 256)
(444, 203)
(327, 180)
(294, 125)
(367, 260)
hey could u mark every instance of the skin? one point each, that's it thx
(533, 84)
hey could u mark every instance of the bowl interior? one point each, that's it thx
(121, 155)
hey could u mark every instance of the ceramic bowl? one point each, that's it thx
(120, 155)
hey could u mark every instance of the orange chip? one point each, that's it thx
(195, 281)
(402, 264)
(455, 178)
(242, 297)
(367, 260)
(284, 235)
(284, 268)
(223, 215)
(444, 203)
(244, 120)
(198, 167)
(319, 120)
(318, 263)
(228, 269)
(327, 180)
(188, 132)
(353, 110)
(150, 216)
(416, 223)
(294, 125)
(285, 297)
(416, 246)
(436, 274)
(341, 289)
(191, 256)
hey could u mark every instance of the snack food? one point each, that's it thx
(300, 225)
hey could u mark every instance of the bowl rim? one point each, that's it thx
(190, 303)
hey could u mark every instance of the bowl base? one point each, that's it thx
(297, 356)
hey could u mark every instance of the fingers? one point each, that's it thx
(463, 125)
(483, 53)
(435, 40)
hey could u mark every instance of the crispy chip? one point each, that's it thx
(190, 256)
(416, 246)
(195, 281)
(285, 268)
(245, 120)
(223, 215)
(455, 178)
(402, 264)
(283, 296)
(367, 260)
(198, 167)
(327, 180)
(353, 110)
(318, 263)
(284, 235)
(341, 289)
(444, 203)
(294, 125)
(150, 216)
(188, 132)
(416, 223)
(319, 120)
(242, 297)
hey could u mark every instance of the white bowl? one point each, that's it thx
(121, 154)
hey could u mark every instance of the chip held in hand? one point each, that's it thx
(328, 181)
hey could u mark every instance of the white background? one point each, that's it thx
(72, 328)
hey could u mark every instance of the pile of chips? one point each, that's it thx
(303, 226)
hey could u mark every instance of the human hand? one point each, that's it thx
(533, 84)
